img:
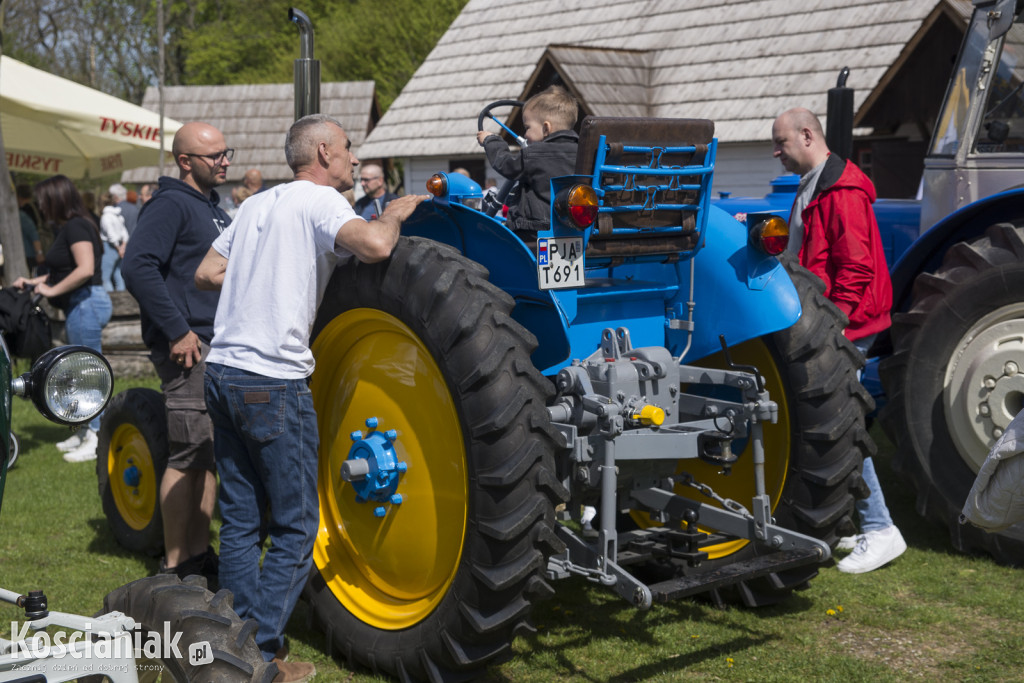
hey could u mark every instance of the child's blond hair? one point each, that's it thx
(556, 105)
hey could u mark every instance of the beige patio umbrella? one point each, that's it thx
(52, 125)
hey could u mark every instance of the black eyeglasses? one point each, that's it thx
(218, 158)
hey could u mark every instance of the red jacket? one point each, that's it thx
(843, 247)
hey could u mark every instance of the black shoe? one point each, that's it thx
(210, 568)
(205, 564)
(210, 563)
(192, 565)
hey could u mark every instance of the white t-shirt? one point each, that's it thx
(281, 253)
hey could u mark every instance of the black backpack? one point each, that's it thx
(24, 324)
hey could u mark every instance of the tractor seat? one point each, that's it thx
(657, 225)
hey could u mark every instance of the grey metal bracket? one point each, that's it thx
(584, 559)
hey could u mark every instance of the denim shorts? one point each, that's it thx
(88, 313)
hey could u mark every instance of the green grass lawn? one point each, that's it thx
(933, 615)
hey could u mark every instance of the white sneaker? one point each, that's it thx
(874, 549)
(86, 451)
(848, 542)
(71, 443)
(589, 513)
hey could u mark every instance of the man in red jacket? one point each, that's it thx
(834, 233)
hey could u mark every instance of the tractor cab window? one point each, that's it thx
(1002, 121)
(950, 128)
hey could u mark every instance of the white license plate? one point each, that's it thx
(560, 262)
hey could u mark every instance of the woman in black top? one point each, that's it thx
(74, 283)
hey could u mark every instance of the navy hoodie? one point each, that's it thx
(175, 230)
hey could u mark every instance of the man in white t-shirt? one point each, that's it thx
(272, 265)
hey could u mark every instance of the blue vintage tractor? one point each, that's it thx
(950, 367)
(647, 356)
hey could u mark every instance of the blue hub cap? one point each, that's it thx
(373, 468)
(132, 476)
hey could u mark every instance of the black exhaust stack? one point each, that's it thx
(839, 124)
(307, 69)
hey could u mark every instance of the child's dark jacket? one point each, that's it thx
(533, 167)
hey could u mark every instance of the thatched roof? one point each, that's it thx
(255, 118)
(739, 63)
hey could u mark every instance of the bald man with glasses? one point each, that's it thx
(175, 230)
(371, 205)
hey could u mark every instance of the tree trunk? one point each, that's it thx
(10, 223)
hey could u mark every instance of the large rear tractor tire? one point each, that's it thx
(131, 459)
(437, 586)
(813, 454)
(956, 379)
(163, 604)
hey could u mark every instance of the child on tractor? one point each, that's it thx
(549, 117)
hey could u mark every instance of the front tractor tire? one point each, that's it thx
(131, 457)
(956, 379)
(163, 604)
(436, 587)
(813, 454)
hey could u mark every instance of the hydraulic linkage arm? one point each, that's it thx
(630, 427)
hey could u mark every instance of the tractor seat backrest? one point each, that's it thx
(647, 212)
(641, 131)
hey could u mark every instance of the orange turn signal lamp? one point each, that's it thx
(770, 235)
(437, 185)
(577, 206)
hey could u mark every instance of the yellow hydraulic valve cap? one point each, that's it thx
(650, 415)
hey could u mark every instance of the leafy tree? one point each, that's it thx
(10, 226)
(100, 43)
(356, 40)
(247, 43)
(111, 45)
(379, 41)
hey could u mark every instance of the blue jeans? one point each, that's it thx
(88, 313)
(265, 439)
(111, 265)
(873, 512)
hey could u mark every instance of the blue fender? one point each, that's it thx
(511, 265)
(739, 292)
(926, 253)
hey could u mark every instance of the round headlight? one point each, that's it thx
(69, 385)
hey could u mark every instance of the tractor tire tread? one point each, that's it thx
(820, 367)
(163, 601)
(142, 408)
(924, 454)
(465, 323)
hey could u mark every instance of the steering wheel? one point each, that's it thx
(493, 202)
(485, 113)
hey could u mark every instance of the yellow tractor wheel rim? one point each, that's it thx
(132, 477)
(778, 441)
(389, 572)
